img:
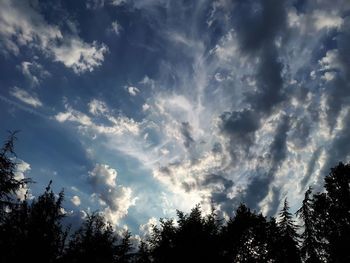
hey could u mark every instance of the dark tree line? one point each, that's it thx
(33, 230)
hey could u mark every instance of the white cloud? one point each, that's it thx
(97, 107)
(219, 77)
(116, 27)
(75, 200)
(103, 174)
(117, 199)
(22, 25)
(147, 81)
(147, 228)
(326, 20)
(118, 2)
(133, 90)
(25, 97)
(80, 56)
(73, 116)
(34, 72)
(145, 107)
(313, 22)
(117, 125)
(228, 47)
(330, 61)
(328, 76)
(22, 167)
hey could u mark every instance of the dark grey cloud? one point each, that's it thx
(310, 168)
(220, 197)
(186, 131)
(269, 82)
(258, 22)
(217, 148)
(300, 134)
(278, 148)
(217, 179)
(258, 187)
(338, 90)
(339, 151)
(240, 126)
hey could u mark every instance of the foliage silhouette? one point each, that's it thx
(94, 241)
(9, 184)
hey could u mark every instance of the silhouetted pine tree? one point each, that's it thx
(94, 242)
(311, 246)
(9, 184)
(274, 242)
(162, 242)
(123, 250)
(143, 253)
(289, 236)
(244, 237)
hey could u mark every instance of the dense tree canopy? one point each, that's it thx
(32, 229)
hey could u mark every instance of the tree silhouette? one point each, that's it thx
(143, 253)
(95, 242)
(289, 236)
(9, 184)
(311, 247)
(123, 250)
(34, 230)
(162, 242)
(332, 210)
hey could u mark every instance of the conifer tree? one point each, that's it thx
(311, 246)
(289, 236)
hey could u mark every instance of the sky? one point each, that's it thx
(137, 108)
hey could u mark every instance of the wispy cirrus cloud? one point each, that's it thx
(24, 96)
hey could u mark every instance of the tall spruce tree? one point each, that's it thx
(311, 247)
(289, 236)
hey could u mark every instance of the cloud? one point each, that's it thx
(103, 174)
(34, 72)
(97, 107)
(25, 97)
(22, 168)
(186, 133)
(80, 56)
(133, 90)
(147, 228)
(118, 2)
(240, 127)
(115, 27)
(95, 4)
(117, 199)
(22, 25)
(73, 116)
(75, 200)
(259, 186)
(326, 20)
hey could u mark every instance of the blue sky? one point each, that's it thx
(141, 107)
